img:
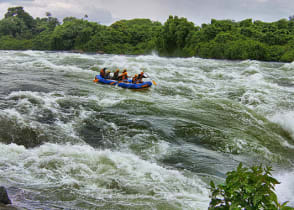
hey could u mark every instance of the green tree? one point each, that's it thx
(174, 36)
(11, 43)
(44, 32)
(237, 50)
(221, 39)
(72, 34)
(42, 41)
(126, 37)
(288, 56)
(275, 52)
(21, 14)
(12, 26)
(246, 188)
(246, 23)
(17, 23)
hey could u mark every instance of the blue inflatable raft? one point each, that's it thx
(123, 84)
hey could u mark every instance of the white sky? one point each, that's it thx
(197, 11)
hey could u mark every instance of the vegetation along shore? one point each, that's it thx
(221, 39)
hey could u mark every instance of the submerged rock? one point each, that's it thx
(4, 199)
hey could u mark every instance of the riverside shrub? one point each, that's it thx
(247, 188)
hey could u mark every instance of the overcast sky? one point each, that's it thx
(197, 11)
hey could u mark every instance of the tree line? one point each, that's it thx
(177, 37)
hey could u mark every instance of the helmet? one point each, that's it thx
(108, 71)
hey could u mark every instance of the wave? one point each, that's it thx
(201, 119)
(286, 120)
(103, 177)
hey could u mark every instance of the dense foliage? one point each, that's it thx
(221, 39)
(247, 189)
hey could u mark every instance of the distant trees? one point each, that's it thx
(221, 39)
(226, 39)
(72, 34)
(173, 36)
(44, 30)
(19, 12)
(17, 23)
(135, 36)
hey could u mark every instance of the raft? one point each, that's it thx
(124, 84)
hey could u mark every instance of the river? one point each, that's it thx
(66, 142)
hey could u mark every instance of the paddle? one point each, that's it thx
(150, 78)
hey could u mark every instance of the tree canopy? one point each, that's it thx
(221, 39)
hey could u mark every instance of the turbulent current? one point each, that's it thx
(66, 142)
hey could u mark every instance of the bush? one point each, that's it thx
(247, 189)
(11, 43)
(288, 56)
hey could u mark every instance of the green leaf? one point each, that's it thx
(212, 185)
(248, 189)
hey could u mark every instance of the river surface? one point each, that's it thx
(68, 143)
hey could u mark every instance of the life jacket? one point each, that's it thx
(134, 80)
(140, 77)
(102, 73)
(123, 76)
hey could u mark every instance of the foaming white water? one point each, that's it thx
(32, 53)
(153, 57)
(31, 105)
(252, 98)
(79, 55)
(40, 99)
(66, 68)
(45, 61)
(285, 190)
(105, 102)
(222, 103)
(288, 66)
(286, 120)
(117, 61)
(90, 172)
(13, 114)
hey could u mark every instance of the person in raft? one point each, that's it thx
(123, 76)
(115, 75)
(140, 77)
(107, 75)
(134, 79)
(102, 72)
